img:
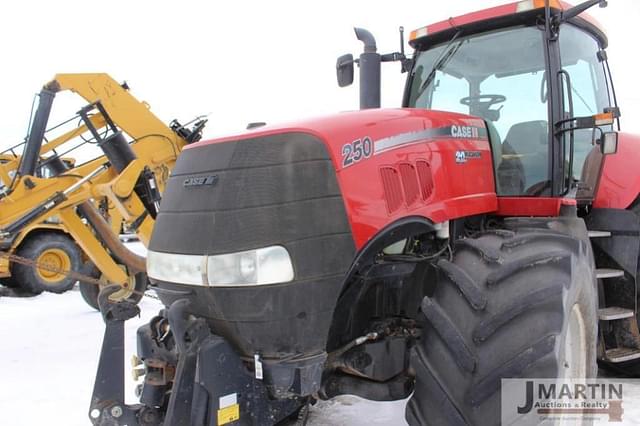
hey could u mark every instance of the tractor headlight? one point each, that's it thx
(176, 268)
(269, 265)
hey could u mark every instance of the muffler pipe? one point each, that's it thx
(369, 70)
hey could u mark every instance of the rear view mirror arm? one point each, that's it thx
(577, 10)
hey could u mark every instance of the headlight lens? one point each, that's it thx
(177, 268)
(269, 265)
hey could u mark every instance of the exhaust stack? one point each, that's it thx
(369, 63)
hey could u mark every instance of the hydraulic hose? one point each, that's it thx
(112, 241)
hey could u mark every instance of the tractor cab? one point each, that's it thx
(528, 82)
(537, 75)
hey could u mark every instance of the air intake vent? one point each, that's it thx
(425, 178)
(392, 188)
(409, 183)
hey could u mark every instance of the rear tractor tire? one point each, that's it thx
(630, 368)
(508, 305)
(55, 250)
(137, 284)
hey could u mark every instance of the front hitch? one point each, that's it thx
(107, 402)
(192, 376)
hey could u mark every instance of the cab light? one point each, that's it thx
(420, 32)
(603, 119)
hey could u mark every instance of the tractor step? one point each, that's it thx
(599, 234)
(609, 273)
(614, 313)
(621, 354)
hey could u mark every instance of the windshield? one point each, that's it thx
(499, 76)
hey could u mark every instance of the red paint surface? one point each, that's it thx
(459, 189)
(481, 15)
(620, 181)
(531, 206)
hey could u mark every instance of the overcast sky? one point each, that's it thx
(237, 61)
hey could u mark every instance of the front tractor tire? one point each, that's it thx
(508, 305)
(50, 249)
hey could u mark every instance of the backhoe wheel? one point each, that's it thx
(52, 250)
(137, 284)
(8, 282)
(508, 305)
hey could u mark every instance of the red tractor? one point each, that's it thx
(390, 253)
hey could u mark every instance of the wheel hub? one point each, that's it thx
(53, 261)
(575, 354)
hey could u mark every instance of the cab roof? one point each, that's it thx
(524, 12)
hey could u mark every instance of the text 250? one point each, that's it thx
(356, 151)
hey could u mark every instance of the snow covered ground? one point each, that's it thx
(50, 348)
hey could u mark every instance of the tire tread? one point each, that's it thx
(469, 317)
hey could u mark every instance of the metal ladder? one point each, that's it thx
(614, 315)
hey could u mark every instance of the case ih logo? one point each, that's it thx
(200, 181)
(465, 132)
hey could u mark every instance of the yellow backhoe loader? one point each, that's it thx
(60, 220)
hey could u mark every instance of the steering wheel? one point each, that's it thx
(538, 189)
(483, 101)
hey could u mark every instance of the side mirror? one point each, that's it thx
(344, 70)
(609, 143)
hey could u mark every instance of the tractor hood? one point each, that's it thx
(381, 146)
